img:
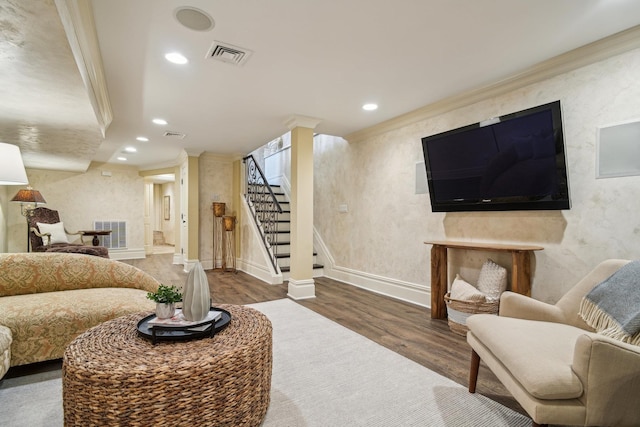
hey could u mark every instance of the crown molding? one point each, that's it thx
(608, 47)
(79, 26)
(295, 121)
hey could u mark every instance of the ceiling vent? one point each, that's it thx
(176, 135)
(229, 53)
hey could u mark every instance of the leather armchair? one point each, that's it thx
(554, 364)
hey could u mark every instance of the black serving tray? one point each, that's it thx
(160, 333)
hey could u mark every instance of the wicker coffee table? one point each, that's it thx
(111, 376)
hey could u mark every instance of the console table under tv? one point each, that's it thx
(520, 269)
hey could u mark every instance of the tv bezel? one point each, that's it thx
(563, 202)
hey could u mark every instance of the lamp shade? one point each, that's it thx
(28, 195)
(11, 166)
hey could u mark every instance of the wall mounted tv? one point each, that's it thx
(512, 162)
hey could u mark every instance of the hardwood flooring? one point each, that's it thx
(404, 328)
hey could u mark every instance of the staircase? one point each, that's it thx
(272, 214)
(283, 237)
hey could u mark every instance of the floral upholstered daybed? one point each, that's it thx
(47, 299)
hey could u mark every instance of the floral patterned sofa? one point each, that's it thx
(47, 299)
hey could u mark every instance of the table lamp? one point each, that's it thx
(28, 199)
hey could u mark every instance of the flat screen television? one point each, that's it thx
(512, 162)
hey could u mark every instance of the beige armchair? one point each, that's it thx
(554, 364)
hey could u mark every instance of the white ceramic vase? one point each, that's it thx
(196, 300)
(164, 310)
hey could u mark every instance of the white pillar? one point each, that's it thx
(301, 283)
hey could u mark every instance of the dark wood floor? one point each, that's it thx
(404, 328)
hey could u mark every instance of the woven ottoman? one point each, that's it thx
(5, 349)
(113, 377)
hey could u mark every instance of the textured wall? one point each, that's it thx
(81, 198)
(384, 230)
(216, 178)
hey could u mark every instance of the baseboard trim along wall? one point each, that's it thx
(120, 254)
(259, 272)
(405, 291)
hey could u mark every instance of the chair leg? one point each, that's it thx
(473, 371)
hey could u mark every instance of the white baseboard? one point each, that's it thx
(177, 259)
(188, 264)
(259, 272)
(398, 289)
(404, 291)
(120, 254)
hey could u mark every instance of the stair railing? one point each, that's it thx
(264, 206)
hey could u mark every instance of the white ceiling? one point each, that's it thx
(316, 58)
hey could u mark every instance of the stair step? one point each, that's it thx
(268, 210)
(288, 255)
(287, 269)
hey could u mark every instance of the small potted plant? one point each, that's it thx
(165, 298)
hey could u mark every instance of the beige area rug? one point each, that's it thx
(323, 375)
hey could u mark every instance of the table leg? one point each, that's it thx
(521, 272)
(438, 281)
(95, 240)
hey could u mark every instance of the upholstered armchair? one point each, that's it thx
(48, 234)
(555, 365)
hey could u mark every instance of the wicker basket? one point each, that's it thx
(459, 310)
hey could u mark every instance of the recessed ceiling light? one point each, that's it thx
(130, 149)
(122, 159)
(176, 58)
(370, 107)
(142, 138)
(159, 121)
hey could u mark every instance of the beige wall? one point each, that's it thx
(384, 230)
(216, 182)
(81, 198)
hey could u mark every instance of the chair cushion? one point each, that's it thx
(58, 235)
(73, 248)
(539, 355)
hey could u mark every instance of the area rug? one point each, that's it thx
(323, 375)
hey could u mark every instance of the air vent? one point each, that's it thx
(118, 237)
(229, 53)
(173, 134)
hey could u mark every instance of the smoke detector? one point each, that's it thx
(228, 53)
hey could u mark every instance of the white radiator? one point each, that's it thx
(118, 237)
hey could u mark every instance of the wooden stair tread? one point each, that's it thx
(288, 255)
(287, 269)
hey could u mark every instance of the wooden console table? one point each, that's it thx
(520, 269)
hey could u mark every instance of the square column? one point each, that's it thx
(301, 283)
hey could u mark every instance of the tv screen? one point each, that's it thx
(512, 162)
